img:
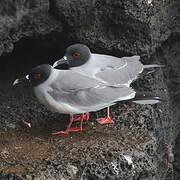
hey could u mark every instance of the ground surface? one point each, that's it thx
(34, 32)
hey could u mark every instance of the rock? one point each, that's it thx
(72, 170)
(28, 177)
(24, 19)
(4, 176)
(34, 32)
(4, 154)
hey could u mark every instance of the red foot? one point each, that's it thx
(67, 131)
(106, 120)
(60, 132)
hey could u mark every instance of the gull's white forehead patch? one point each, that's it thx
(27, 76)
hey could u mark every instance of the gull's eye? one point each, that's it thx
(37, 76)
(76, 55)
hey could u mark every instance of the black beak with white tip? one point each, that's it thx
(24, 80)
(62, 64)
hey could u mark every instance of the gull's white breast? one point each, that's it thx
(41, 92)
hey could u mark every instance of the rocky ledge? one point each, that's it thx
(141, 144)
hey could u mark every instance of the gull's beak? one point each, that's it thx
(23, 80)
(61, 64)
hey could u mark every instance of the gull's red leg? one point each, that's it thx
(78, 128)
(78, 117)
(73, 118)
(82, 117)
(86, 116)
(107, 119)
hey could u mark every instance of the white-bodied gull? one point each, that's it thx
(105, 68)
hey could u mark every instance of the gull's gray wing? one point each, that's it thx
(69, 81)
(86, 93)
(117, 71)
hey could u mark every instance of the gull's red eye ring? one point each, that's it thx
(76, 55)
(37, 76)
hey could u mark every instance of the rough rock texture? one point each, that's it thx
(34, 32)
(24, 18)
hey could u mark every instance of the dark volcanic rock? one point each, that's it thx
(102, 23)
(34, 32)
(20, 19)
